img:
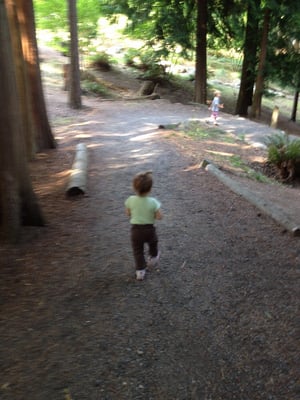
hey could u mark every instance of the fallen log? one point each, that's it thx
(78, 176)
(264, 205)
(153, 96)
(146, 92)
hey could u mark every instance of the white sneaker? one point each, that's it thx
(140, 274)
(153, 261)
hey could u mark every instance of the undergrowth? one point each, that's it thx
(200, 131)
(284, 153)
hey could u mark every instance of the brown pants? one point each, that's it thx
(141, 235)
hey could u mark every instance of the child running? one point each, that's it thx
(143, 210)
(214, 107)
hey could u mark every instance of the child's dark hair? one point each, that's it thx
(142, 183)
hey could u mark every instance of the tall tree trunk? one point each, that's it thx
(43, 135)
(260, 78)
(201, 57)
(249, 63)
(21, 77)
(74, 90)
(295, 106)
(18, 202)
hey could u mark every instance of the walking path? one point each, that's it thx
(252, 132)
(197, 328)
(216, 320)
(279, 202)
(282, 204)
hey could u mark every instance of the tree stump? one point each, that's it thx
(147, 88)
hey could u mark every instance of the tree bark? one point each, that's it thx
(295, 106)
(248, 69)
(74, 89)
(201, 56)
(21, 78)
(18, 203)
(260, 78)
(43, 136)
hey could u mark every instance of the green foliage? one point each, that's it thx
(226, 24)
(101, 61)
(93, 84)
(284, 57)
(163, 24)
(53, 16)
(258, 176)
(168, 28)
(200, 131)
(95, 88)
(284, 153)
(146, 60)
(237, 162)
(129, 57)
(236, 64)
(282, 148)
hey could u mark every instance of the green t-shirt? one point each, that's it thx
(142, 209)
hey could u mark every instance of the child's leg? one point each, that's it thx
(137, 242)
(153, 243)
(154, 254)
(215, 117)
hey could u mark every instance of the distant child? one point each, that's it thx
(214, 107)
(143, 210)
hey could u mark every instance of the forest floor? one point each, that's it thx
(217, 320)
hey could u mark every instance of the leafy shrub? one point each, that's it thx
(284, 153)
(236, 64)
(130, 57)
(146, 60)
(95, 88)
(101, 62)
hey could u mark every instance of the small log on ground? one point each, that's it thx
(264, 205)
(170, 126)
(275, 116)
(78, 177)
(153, 96)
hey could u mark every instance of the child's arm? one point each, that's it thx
(158, 214)
(128, 212)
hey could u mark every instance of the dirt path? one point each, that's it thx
(217, 319)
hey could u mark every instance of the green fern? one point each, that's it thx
(284, 153)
